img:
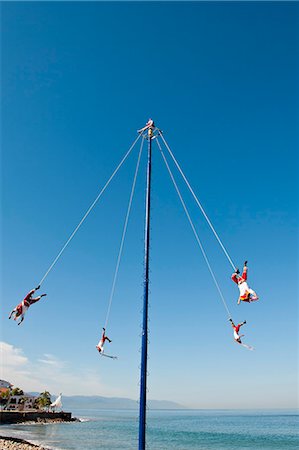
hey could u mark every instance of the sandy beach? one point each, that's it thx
(9, 443)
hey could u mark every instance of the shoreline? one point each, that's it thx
(12, 443)
(13, 417)
(15, 443)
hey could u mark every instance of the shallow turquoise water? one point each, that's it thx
(173, 430)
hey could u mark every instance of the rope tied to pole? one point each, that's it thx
(198, 203)
(123, 235)
(194, 231)
(87, 213)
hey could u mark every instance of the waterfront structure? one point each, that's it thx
(5, 385)
(23, 402)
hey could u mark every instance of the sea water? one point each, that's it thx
(168, 430)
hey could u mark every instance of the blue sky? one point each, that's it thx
(221, 81)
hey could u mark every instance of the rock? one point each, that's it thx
(9, 443)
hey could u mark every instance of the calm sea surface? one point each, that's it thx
(168, 430)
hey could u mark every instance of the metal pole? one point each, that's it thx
(144, 342)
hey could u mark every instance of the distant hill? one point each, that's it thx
(98, 402)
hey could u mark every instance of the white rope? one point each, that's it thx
(88, 211)
(198, 203)
(194, 231)
(123, 235)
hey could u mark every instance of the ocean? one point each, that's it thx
(168, 430)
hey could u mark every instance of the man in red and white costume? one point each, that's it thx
(236, 329)
(246, 294)
(149, 124)
(100, 346)
(22, 307)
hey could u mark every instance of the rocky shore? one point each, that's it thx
(9, 443)
(9, 417)
(47, 420)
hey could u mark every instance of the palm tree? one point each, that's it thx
(44, 400)
(17, 391)
(4, 397)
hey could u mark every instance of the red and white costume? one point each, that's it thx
(101, 343)
(236, 329)
(246, 294)
(236, 332)
(22, 307)
(237, 336)
(149, 124)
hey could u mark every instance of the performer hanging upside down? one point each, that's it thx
(236, 328)
(22, 307)
(100, 346)
(246, 294)
(149, 124)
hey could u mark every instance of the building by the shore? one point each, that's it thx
(19, 407)
(16, 402)
(23, 402)
(5, 386)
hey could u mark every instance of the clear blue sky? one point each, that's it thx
(221, 80)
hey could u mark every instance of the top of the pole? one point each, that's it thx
(149, 127)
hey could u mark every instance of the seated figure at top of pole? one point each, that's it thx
(149, 124)
(22, 307)
(246, 294)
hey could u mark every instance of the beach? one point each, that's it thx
(9, 443)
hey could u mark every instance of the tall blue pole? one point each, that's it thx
(144, 342)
